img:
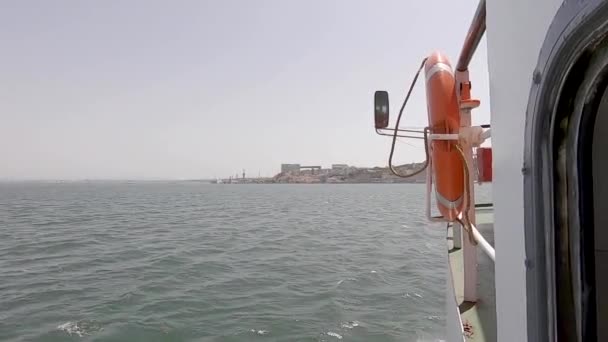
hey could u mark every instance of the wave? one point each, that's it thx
(333, 334)
(80, 328)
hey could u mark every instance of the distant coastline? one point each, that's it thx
(336, 175)
(342, 175)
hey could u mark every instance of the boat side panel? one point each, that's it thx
(516, 30)
(454, 329)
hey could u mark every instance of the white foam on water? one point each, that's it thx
(79, 328)
(350, 324)
(343, 280)
(259, 332)
(373, 271)
(413, 294)
(71, 328)
(333, 334)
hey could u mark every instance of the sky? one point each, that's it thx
(146, 89)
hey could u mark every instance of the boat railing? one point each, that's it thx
(476, 32)
(483, 243)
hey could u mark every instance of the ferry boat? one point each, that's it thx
(533, 264)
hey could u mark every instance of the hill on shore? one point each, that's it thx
(353, 175)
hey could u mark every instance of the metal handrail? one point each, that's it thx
(486, 134)
(476, 31)
(483, 243)
(419, 131)
(379, 132)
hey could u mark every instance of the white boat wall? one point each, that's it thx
(516, 30)
(533, 265)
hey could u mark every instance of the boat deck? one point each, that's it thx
(478, 319)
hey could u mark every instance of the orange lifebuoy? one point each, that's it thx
(444, 118)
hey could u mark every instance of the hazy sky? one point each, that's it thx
(196, 89)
